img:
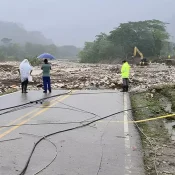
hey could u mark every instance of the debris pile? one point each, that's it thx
(154, 75)
(71, 75)
(9, 78)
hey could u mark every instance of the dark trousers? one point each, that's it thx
(46, 83)
(125, 84)
(24, 85)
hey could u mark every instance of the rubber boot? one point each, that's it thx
(25, 88)
(22, 88)
(126, 89)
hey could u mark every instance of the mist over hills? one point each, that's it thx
(20, 35)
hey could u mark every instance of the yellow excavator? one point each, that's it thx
(143, 60)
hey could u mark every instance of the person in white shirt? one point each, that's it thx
(25, 70)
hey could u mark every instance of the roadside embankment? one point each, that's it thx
(159, 139)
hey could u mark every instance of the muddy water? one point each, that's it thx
(167, 105)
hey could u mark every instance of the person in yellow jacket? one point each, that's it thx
(125, 70)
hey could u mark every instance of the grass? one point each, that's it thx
(8, 91)
(34, 61)
(155, 130)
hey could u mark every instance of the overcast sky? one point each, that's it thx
(76, 21)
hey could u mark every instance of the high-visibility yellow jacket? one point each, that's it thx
(125, 70)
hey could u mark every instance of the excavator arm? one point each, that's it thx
(136, 50)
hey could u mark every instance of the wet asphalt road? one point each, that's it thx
(106, 147)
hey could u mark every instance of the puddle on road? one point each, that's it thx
(169, 124)
(46, 103)
(171, 128)
(168, 107)
(166, 104)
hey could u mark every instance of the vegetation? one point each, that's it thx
(149, 36)
(34, 61)
(14, 51)
(10, 90)
(16, 43)
(18, 34)
(154, 130)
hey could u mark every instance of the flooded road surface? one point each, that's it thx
(171, 128)
(105, 147)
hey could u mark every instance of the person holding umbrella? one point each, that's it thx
(46, 67)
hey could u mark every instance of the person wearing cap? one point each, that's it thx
(125, 70)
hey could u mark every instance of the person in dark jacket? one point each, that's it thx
(46, 67)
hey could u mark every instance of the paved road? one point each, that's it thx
(103, 148)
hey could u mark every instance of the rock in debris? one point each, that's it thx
(39, 85)
(112, 85)
(14, 87)
(75, 75)
(76, 86)
(167, 172)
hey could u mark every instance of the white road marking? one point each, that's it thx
(127, 139)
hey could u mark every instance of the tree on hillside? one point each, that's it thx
(18, 34)
(14, 51)
(98, 50)
(149, 36)
(52, 49)
(68, 51)
(88, 54)
(6, 41)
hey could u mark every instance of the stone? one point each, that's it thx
(159, 154)
(71, 74)
(167, 172)
(153, 91)
(14, 87)
(112, 85)
(76, 86)
(39, 85)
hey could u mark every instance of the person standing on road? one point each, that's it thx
(25, 70)
(46, 67)
(125, 70)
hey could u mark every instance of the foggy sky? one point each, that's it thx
(76, 21)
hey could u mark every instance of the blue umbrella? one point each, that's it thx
(46, 56)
